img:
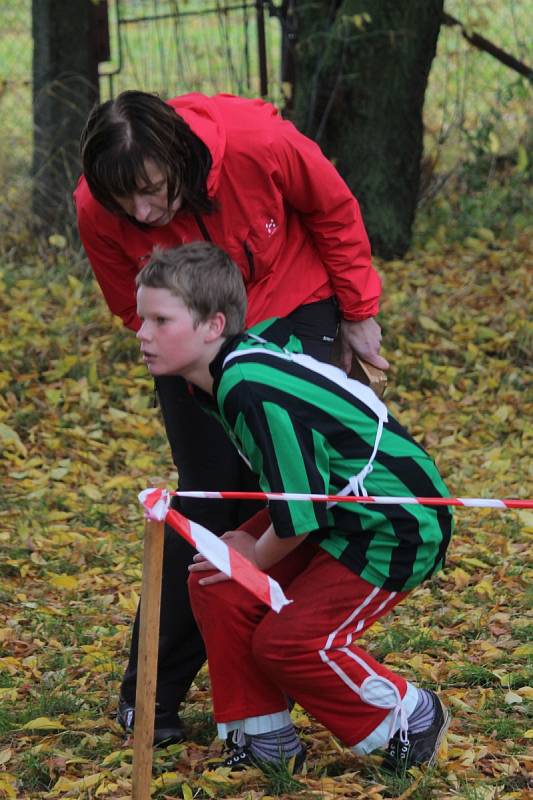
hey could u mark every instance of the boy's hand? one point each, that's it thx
(240, 541)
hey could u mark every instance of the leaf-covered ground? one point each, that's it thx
(80, 437)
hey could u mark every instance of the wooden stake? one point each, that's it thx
(143, 736)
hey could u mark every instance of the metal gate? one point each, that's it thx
(176, 46)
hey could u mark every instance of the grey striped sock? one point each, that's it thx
(423, 714)
(275, 746)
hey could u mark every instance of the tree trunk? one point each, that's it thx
(361, 74)
(65, 86)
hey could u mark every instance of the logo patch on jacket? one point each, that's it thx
(270, 226)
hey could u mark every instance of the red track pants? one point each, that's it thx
(258, 658)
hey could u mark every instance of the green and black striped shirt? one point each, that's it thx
(304, 427)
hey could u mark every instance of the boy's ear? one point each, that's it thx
(215, 326)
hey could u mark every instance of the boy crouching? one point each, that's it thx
(303, 426)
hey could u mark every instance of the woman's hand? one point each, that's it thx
(363, 338)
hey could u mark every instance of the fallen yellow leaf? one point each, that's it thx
(484, 587)
(8, 435)
(64, 582)
(524, 650)
(460, 577)
(92, 491)
(526, 518)
(8, 785)
(186, 792)
(429, 324)
(168, 779)
(57, 240)
(44, 724)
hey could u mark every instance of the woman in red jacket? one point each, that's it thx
(231, 171)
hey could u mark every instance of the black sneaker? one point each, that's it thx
(125, 715)
(168, 727)
(419, 748)
(241, 758)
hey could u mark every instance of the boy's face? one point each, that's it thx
(170, 344)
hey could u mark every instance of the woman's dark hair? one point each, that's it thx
(121, 134)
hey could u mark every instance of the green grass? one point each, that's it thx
(281, 780)
(470, 93)
(34, 773)
(200, 723)
(472, 675)
(504, 728)
(523, 632)
(48, 704)
(407, 640)
(396, 785)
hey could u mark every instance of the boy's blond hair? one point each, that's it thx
(204, 277)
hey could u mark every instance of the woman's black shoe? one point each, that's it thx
(168, 727)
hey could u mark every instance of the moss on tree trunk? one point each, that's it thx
(65, 86)
(361, 74)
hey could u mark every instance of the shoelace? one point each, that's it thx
(398, 749)
(237, 757)
(236, 744)
(402, 746)
(236, 739)
(239, 754)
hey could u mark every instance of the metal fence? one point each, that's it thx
(176, 46)
(201, 45)
(166, 46)
(15, 77)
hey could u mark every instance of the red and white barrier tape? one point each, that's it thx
(157, 501)
(226, 559)
(469, 502)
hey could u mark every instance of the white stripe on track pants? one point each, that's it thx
(258, 658)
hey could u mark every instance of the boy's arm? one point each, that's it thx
(269, 548)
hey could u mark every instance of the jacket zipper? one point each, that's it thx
(203, 228)
(248, 253)
(250, 259)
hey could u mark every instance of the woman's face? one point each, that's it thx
(149, 204)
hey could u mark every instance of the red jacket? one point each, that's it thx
(284, 215)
